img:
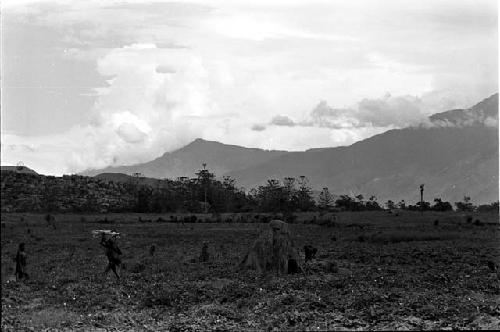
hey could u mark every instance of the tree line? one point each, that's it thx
(206, 193)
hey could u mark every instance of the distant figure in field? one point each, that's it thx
(492, 266)
(310, 252)
(50, 219)
(204, 256)
(113, 253)
(21, 263)
(152, 250)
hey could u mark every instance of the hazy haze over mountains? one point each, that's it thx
(456, 154)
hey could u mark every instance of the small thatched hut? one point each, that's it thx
(273, 251)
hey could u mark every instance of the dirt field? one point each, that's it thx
(393, 272)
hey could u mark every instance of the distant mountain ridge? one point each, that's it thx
(483, 113)
(220, 158)
(452, 162)
(456, 157)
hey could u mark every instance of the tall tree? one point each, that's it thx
(325, 199)
(465, 205)
(205, 178)
(271, 197)
(305, 199)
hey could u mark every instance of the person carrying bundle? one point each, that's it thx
(112, 252)
(21, 263)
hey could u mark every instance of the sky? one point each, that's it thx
(88, 84)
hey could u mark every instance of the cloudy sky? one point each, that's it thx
(86, 84)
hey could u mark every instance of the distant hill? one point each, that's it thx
(452, 162)
(18, 169)
(220, 158)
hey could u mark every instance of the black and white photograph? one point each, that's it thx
(249, 165)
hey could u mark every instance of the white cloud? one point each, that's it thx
(387, 112)
(177, 71)
(139, 116)
(130, 133)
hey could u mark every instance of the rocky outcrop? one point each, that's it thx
(21, 192)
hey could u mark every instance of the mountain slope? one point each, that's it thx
(452, 161)
(220, 158)
(18, 169)
(483, 113)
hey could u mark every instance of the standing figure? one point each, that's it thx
(152, 250)
(422, 198)
(310, 252)
(21, 263)
(204, 256)
(112, 253)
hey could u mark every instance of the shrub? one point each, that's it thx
(493, 207)
(441, 206)
(465, 205)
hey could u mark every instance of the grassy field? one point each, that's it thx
(393, 272)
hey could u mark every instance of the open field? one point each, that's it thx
(394, 272)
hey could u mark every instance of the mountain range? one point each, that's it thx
(454, 155)
(220, 158)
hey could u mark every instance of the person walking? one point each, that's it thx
(113, 254)
(20, 260)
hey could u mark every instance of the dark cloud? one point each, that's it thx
(328, 117)
(282, 120)
(322, 116)
(258, 127)
(322, 109)
(398, 111)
